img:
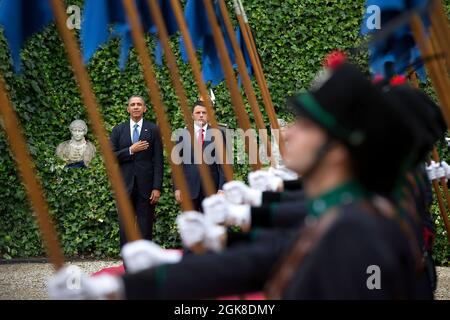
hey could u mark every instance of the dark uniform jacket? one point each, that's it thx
(336, 267)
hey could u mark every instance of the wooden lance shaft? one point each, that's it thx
(157, 17)
(439, 22)
(434, 44)
(220, 147)
(441, 84)
(443, 182)
(126, 210)
(440, 81)
(442, 209)
(246, 81)
(437, 190)
(27, 171)
(259, 73)
(438, 49)
(155, 95)
(250, 44)
(236, 98)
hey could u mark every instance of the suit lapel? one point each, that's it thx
(207, 136)
(127, 132)
(145, 131)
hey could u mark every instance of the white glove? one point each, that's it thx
(238, 192)
(70, 283)
(284, 173)
(446, 168)
(215, 208)
(239, 215)
(215, 237)
(143, 254)
(264, 181)
(430, 172)
(196, 229)
(439, 171)
(219, 211)
(191, 227)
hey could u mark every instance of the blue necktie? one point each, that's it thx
(135, 133)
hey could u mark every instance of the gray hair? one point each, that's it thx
(78, 123)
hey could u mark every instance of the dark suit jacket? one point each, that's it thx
(191, 171)
(146, 167)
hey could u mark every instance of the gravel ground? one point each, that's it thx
(27, 280)
(443, 290)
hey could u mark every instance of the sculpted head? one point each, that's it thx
(78, 129)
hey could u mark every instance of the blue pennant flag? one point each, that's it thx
(197, 23)
(243, 47)
(97, 16)
(169, 17)
(420, 68)
(171, 25)
(211, 66)
(202, 38)
(20, 19)
(389, 10)
(396, 52)
(383, 66)
(105, 19)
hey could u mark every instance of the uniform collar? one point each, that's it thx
(344, 194)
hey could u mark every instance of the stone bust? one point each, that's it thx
(77, 152)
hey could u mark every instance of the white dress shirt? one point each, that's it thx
(197, 129)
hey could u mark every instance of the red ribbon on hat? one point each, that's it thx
(398, 80)
(377, 79)
(334, 59)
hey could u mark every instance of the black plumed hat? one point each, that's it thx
(354, 111)
(437, 126)
(422, 114)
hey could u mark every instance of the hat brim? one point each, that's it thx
(305, 105)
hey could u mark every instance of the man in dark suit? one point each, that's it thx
(204, 134)
(138, 148)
